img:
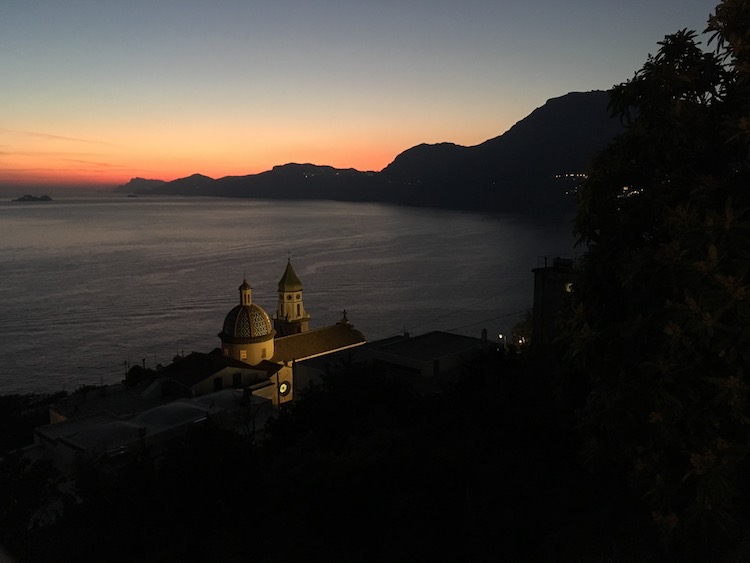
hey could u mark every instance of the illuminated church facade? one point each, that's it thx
(250, 336)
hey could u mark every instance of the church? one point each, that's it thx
(253, 371)
(259, 352)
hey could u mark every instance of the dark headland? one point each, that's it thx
(522, 171)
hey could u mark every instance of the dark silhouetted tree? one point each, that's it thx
(661, 330)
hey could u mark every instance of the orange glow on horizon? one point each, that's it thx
(95, 155)
(37, 166)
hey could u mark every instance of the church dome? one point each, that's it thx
(246, 321)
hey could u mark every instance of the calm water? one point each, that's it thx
(90, 285)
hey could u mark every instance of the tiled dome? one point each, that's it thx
(246, 321)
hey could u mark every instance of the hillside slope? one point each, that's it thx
(514, 172)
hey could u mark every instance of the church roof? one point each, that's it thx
(289, 281)
(316, 342)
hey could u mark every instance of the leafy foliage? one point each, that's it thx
(661, 330)
(30, 499)
(20, 414)
(361, 468)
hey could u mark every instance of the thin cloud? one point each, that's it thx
(93, 163)
(50, 136)
(47, 154)
(83, 165)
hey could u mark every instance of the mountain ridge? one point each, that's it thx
(513, 172)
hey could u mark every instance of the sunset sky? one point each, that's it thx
(97, 92)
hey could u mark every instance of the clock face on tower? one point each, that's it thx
(284, 388)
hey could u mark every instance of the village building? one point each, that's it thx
(553, 286)
(427, 360)
(251, 373)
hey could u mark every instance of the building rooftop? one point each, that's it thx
(430, 346)
(196, 367)
(104, 431)
(116, 399)
(316, 342)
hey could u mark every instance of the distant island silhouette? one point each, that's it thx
(29, 197)
(521, 171)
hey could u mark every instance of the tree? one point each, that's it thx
(661, 328)
(30, 500)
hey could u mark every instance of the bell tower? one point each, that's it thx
(290, 316)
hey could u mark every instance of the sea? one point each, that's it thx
(90, 286)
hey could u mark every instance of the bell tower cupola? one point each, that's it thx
(290, 316)
(246, 294)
